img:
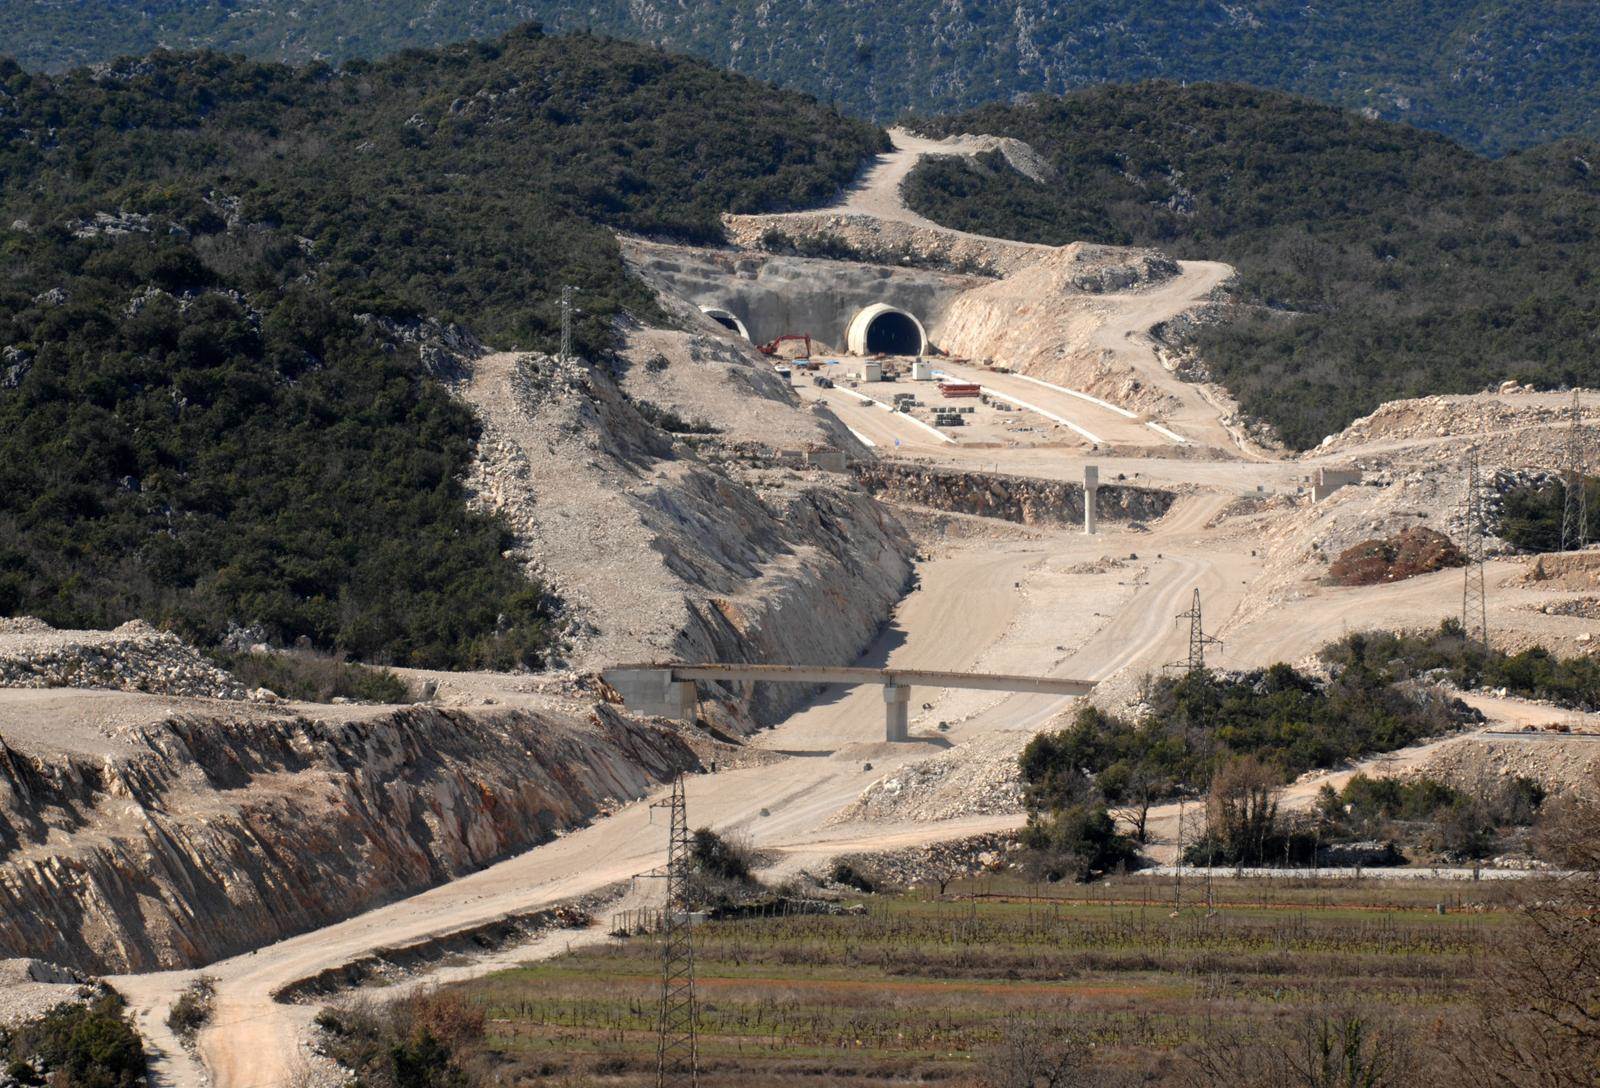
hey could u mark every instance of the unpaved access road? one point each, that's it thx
(972, 602)
(877, 192)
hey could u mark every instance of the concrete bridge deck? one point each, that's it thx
(667, 690)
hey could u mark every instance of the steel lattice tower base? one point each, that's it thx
(677, 1045)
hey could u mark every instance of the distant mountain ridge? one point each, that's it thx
(1494, 74)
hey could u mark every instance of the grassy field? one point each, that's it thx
(917, 989)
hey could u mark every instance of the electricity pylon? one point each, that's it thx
(1198, 639)
(677, 1044)
(1474, 598)
(1575, 510)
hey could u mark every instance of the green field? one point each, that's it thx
(919, 989)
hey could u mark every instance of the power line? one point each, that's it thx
(1474, 598)
(677, 1044)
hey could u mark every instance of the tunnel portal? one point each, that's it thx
(881, 329)
(727, 319)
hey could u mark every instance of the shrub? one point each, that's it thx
(86, 1045)
(851, 877)
(192, 1010)
(718, 857)
(1534, 673)
(1074, 843)
(1530, 517)
(315, 678)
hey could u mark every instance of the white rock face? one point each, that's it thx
(202, 836)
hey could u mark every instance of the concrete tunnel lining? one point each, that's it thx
(888, 330)
(727, 319)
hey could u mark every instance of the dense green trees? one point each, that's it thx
(1531, 517)
(1376, 261)
(87, 1044)
(1493, 73)
(213, 408)
(1534, 673)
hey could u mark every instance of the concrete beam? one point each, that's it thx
(930, 678)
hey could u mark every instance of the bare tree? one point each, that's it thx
(1040, 1053)
(1322, 1049)
(1241, 812)
(1538, 1022)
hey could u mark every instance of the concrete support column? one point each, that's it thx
(897, 716)
(685, 699)
(654, 693)
(1091, 489)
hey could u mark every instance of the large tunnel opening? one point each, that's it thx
(881, 329)
(727, 319)
(893, 334)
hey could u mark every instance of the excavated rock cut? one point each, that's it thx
(209, 836)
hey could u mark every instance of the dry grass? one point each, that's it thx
(920, 989)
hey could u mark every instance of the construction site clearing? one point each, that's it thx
(1038, 493)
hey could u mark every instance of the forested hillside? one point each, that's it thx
(212, 410)
(1382, 262)
(1495, 74)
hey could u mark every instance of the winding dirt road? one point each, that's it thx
(971, 604)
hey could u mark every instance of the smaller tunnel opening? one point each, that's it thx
(727, 319)
(893, 334)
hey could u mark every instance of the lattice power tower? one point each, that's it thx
(677, 1045)
(1198, 639)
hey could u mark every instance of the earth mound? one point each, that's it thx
(1407, 554)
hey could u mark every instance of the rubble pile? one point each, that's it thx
(1410, 553)
(30, 988)
(1587, 608)
(133, 657)
(883, 241)
(934, 863)
(978, 778)
(1559, 764)
(1514, 428)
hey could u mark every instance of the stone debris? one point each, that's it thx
(29, 988)
(133, 657)
(977, 778)
(1560, 765)
(934, 863)
(884, 241)
(1520, 428)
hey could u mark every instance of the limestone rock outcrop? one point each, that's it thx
(1022, 499)
(205, 836)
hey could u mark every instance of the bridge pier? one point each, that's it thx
(654, 693)
(897, 712)
(1091, 492)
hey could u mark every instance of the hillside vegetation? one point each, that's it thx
(1377, 262)
(213, 407)
(1493, 73)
